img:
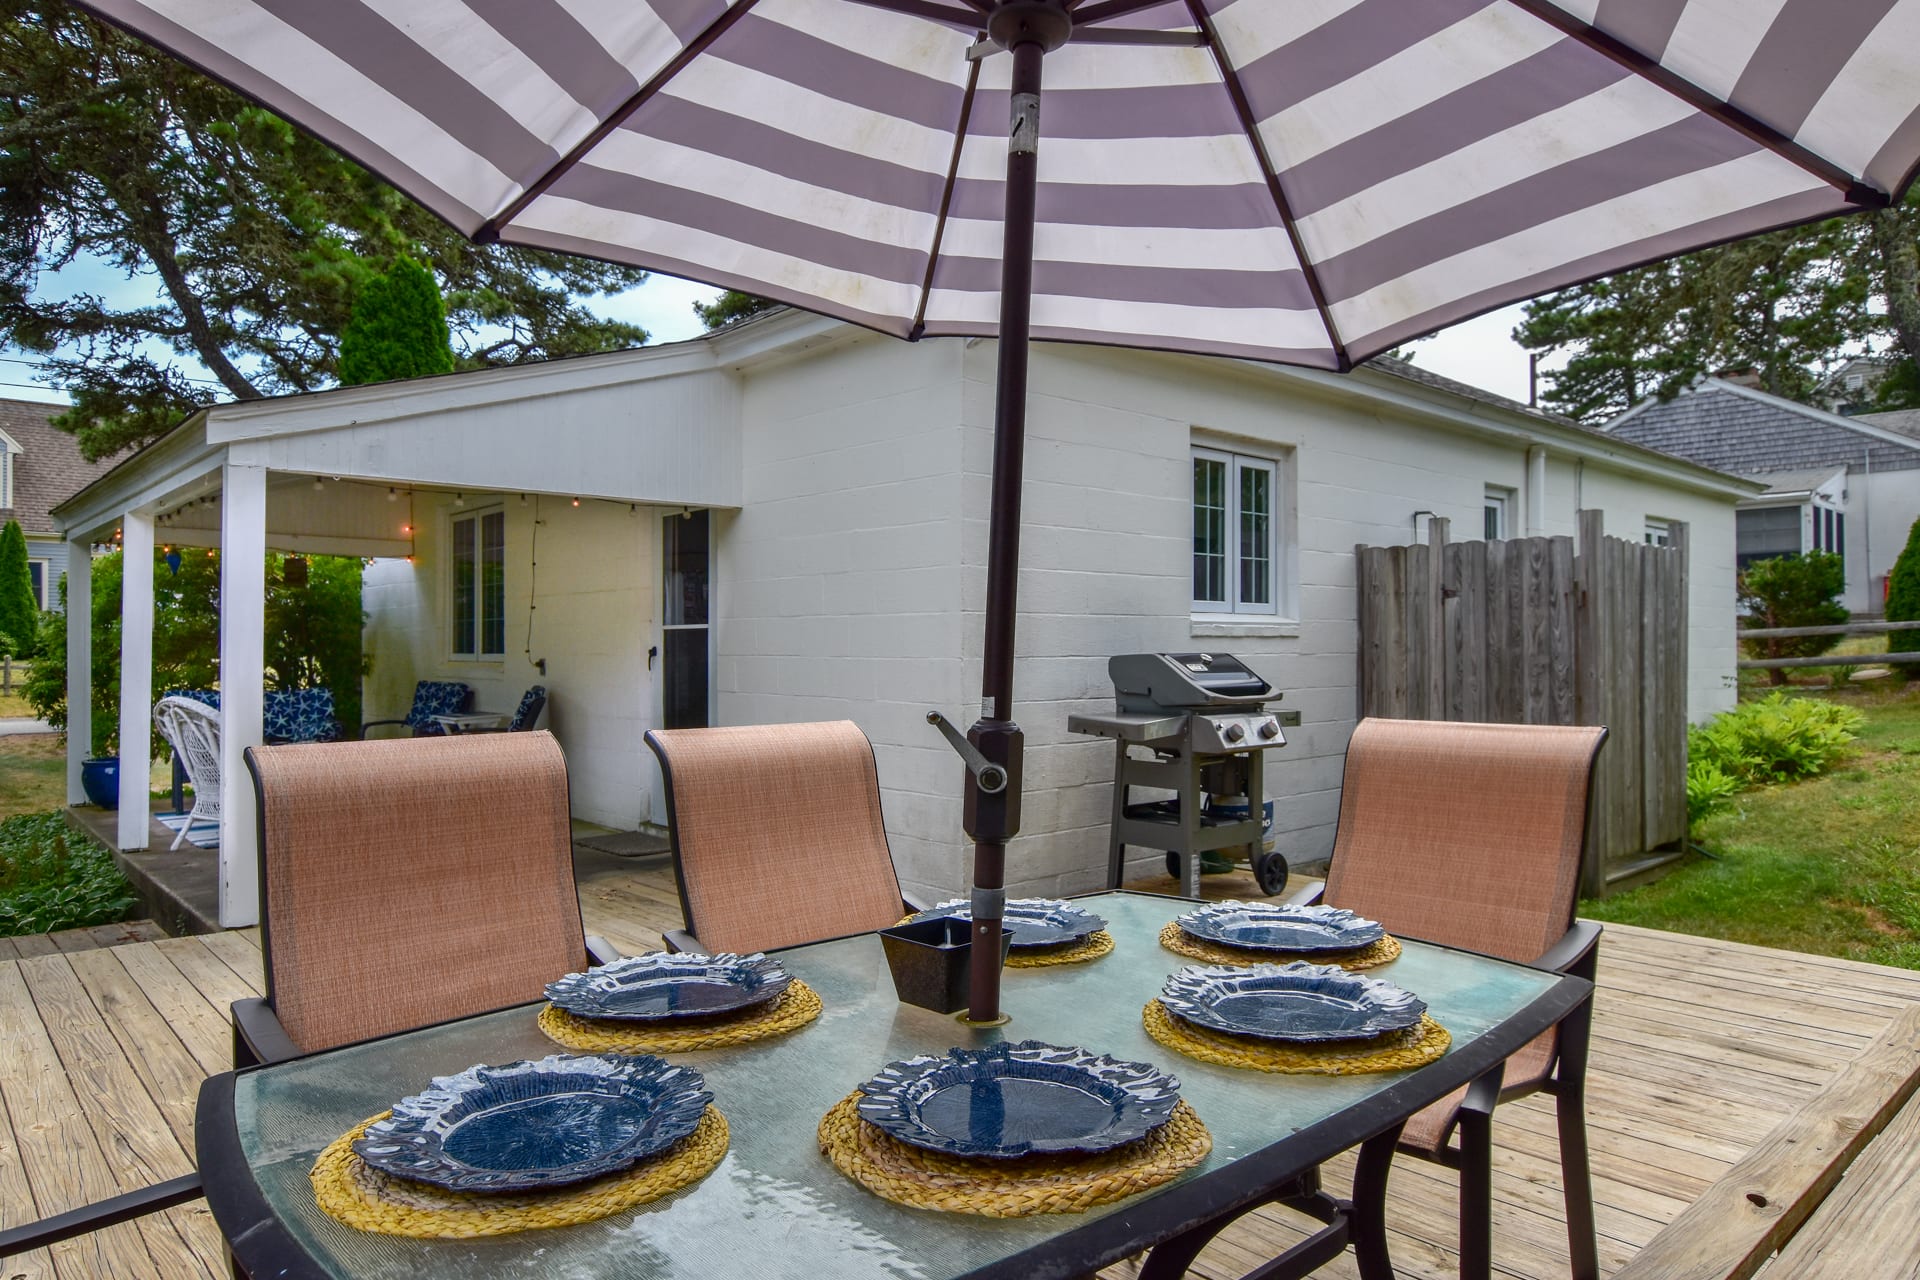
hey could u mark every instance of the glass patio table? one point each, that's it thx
(775, 1207)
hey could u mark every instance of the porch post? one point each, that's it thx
(79, 662)
(243, 622)
(136, 676)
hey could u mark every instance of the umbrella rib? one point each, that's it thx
(1086, 15)
(1237, 92)
(1652, 70)
(946, 201)
(489, 231)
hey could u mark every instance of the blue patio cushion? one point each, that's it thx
(301, 715)
(211, 697)
(436, 698)
(529, 706)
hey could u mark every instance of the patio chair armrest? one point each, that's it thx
(1484, 1093)
(600, 951)
(257, 1034)
(1307, 894)
(681, 940)
(371, 724)
(1574, 953)
(94, 1217)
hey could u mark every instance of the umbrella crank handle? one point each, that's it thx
(987, 775)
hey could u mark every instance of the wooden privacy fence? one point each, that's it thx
(1547, 631)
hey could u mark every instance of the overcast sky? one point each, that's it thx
(1479, 351)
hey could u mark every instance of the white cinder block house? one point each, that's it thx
(787, 521)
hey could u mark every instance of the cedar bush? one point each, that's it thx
(19, 612)
(1903, 584)
(398, 328)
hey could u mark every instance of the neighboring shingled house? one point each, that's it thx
(40, 467)
(1845, 484)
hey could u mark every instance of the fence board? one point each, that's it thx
(1545, 631)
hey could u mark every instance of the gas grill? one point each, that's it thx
(1203, 722)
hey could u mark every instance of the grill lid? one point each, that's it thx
(1148, 681)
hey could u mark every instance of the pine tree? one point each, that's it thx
(1903, 585)
(19, 613)
(398, 328)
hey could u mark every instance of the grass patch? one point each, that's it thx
(53, 878)
(13, 705)
(33, 773)
(1829, 865)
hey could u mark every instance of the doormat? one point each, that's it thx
(626, 844)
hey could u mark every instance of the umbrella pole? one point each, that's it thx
(1028, 30)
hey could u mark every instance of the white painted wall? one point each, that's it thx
(1106, 564)
(850, 581)
(591, 602)
(838, 580)
(1881, 509)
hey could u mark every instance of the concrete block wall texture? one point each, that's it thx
(850, 580)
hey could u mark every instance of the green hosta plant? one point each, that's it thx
(53, 878)
(1775, 739)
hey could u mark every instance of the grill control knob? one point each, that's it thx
(1269, 728)
(1235, 732)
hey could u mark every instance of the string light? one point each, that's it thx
(459, 499)
(318, 485)
(393, 494)
(576, 502)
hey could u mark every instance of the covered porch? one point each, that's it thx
(514, 525)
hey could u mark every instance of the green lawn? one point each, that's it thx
(12, 704)
(1830, 865)
(33, 773)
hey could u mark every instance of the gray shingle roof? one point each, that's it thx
(1905, 421)
(49, 471)
(1751, 433)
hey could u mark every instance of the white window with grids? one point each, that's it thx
(1497, 513)
(477, 562)
(40, 578)
(1237, 518)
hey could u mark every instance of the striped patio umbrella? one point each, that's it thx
(1309, 181)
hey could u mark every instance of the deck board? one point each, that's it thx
(1700, 1049)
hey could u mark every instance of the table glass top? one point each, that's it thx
(775, 1207)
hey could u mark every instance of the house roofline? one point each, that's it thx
(788, 332)
(1779, 402)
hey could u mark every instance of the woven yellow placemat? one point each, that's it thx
(1091, 947)
(798, 1005)
(1182, 943)
(1395, 1051)
(353, 1192)
(904, 1174)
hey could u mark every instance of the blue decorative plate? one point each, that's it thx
(1297, 1001)
(529, 1125)
(1033, 922)
(1018, 1099)
(1279, 926)
(661, 985)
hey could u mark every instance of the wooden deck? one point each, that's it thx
(1701, 1048)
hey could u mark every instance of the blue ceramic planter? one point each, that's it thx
(100, 779)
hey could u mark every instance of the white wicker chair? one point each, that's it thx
(193, 729)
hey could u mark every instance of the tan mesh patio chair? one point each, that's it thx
(1471, 835)
(777, 835)
(407, 882)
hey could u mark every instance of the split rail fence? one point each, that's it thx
(1547, 630)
